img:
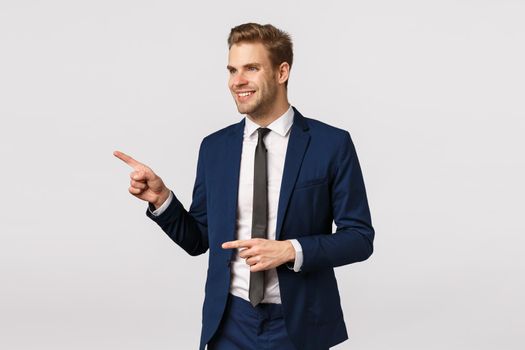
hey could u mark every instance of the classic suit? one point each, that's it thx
(322, 182)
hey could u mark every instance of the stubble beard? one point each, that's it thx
(260, 108)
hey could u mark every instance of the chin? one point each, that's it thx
(245, 109)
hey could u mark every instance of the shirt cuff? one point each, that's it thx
(298, 256)
(163, 207)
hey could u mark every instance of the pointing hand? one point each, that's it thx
(144, 183)
(263, 254)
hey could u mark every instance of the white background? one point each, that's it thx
(431, 91)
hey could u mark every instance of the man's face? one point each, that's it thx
(253, 82)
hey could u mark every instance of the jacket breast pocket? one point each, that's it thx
(310, 183)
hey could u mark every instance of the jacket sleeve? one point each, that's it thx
(353, 239)
(189, 229)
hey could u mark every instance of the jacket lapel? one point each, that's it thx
(230, 181)
(297, 145)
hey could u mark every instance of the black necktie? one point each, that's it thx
(260, 212)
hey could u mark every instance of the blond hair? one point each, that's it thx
(277, 42)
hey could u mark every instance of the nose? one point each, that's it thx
(239, 80)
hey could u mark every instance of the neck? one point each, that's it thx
(267, 117)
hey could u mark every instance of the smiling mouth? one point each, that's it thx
(244, 95)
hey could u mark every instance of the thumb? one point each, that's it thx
(152, 180)
(144, 174)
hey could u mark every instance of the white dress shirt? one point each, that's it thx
(276, 142)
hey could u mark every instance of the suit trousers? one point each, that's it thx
(244, 327)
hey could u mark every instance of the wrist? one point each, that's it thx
(291, 252)
(163, 196)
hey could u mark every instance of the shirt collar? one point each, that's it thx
(280, 125)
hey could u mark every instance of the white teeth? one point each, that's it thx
(243, 94)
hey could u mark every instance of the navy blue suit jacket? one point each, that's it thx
(321, 183)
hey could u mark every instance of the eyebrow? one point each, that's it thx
(256, 65)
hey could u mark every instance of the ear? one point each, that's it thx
(283, 72)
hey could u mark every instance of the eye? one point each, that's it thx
(253, 69)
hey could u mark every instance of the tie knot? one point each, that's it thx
(263, 132)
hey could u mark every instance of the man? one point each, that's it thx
(266, 193)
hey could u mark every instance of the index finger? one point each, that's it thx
(237, 244)
(127, 159)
